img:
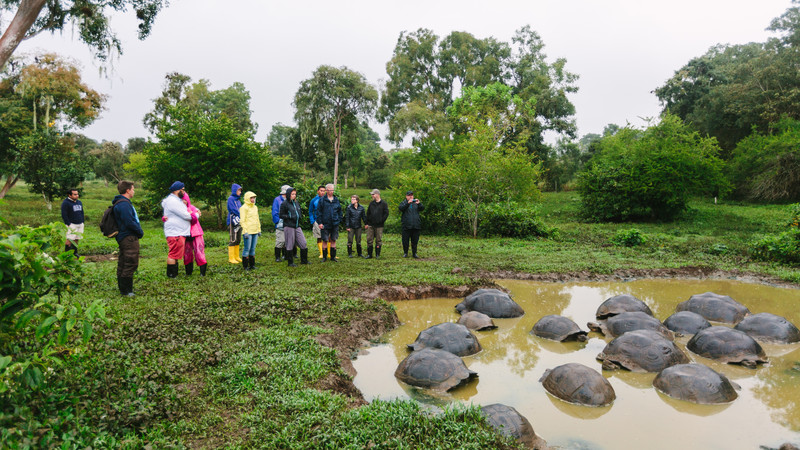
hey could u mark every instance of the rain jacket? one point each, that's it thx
(276, 212)
(178, 218)
(312, 209)
(354, 217)
(127, 218)
(233, 203)
(329, 212)
(290, 211)
(251, 224)
(410, 215)
(196, 229)
(377, 213)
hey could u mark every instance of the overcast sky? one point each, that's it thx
(621, 49)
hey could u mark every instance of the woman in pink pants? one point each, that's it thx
(195, 248)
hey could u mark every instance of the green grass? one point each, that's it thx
(232, 360)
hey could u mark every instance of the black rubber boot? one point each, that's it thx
(126, 286)
(303, 256)
(203, 269)
(252, 262)
(278, 254)
(333, 254)
(294, 252)
(71, 247)
(172, 270)
(358, 250)
(189, 268)
(349, 251)
(325, 253)
(377, 252)
(121, 286)
(246, 262)
(290, 259)
(369, 252)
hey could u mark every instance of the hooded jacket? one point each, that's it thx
(377, 213)
(234, 203)
(179, 219)
(410, 215)
(196, 229)
(276, 211)
(329, 212)
(312, 208)
(251, 224)
(290, 211)
(354, 217)
(127, 219)
(71, 211)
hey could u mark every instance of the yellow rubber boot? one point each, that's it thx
(319, 245)
(231, 254)
(237, 254)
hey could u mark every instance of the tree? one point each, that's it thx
(110, 159)
(50, 165)
(90, 16)
(135, 145)
(767, 166)
(330, 99)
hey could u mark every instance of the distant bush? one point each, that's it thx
(512, 220)
(650, 173)
(784, 247)
(629, 238)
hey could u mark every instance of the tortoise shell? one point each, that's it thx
(451, 337)
(621, 323)
(576, 383)
(641, 351)
(492, 302)
(477, 321)
(558, 328)
(686, 322)
(768, 327)
(620, 304)
(727, 345)
(434, 369)
(695, 383)
(509, 422)
(715, 307)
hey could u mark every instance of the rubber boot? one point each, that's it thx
(203, 269)
(121, 286)
(294, 252)
(189, 268)
(333, 254)
(358, 251)
(290, 259)
(232, 250)
(252, 262)
(172, 270)
(237, 254)
(246, 263)
(126, 286)
(324, 254)
(303, 256)
(319, 245)
(349, 251)
(377, 252)
(369, 252)
(278, 254)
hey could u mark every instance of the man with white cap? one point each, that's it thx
(280, 240)
(177, 225)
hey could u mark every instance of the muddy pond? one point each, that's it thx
(767, 412)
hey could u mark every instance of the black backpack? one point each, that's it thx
(108, 224)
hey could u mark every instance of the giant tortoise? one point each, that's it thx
(695, 383)
(686, 323)
(492, 302)
(727, 345)
(620, 304)
(558, 328)
(768, 327)
(435, 369)
(621, 323)
(576, 383)
(715, 307)
(448, 336)
(641, 351)
(509, 422)
(477, 321)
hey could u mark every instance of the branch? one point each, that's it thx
(23, 20)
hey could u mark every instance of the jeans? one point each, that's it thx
(249, 242)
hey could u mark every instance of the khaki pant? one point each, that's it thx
(128, 260)
(280, 239)
(376, 234)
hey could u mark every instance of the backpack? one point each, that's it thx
(108, 224)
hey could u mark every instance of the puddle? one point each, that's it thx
(767, 411)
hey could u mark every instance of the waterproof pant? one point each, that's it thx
(412, 235)
(195, 249)
(376, 234)
(294, 236)
(249, 245)
(354, 232)
(235, 232)
(128, 260)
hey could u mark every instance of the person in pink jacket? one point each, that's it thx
(195, 248)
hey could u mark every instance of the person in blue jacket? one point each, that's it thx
(130, 231)
(329, 215)
(312, 215)
(234, 228)
(72, 215)
(280, 240)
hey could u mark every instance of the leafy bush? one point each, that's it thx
(629, 238)
(784, 247)
(512, 220)
(650, 173)
(767, 167)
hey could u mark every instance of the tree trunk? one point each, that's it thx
(336, 156)
(26, 15)
(475, 222)
(304, 171)
(11, 180)
(49, 203)
(345, 179)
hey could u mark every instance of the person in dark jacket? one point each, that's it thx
(290, 215)
(234, 227)
(410, 209)
(280, 239)
(130, 231)
(329, 215)
(72, 215)
(353, 221)
(377, 213)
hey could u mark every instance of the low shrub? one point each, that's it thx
(784, 247)
(512, 220)
(629, 238)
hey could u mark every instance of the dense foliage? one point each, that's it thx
(784, 247)
(650, 173)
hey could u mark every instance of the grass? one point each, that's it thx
(233, 360)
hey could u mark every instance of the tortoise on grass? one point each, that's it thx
(434, 369)
(509, 422)
(477, 321)
(621, 323)
(492, 302)
(727, 345)
(641, 351)
(620, 304)
(768, 327)
(576, 383)
(695, 383)
(558, 328)
(715, 307)
(448, 336)
(686, 323)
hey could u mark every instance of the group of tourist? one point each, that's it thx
(185, 235)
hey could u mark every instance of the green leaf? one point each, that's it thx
(45, 326)
(4, 362)
(25, 318)
(87, 331)
(63, 333)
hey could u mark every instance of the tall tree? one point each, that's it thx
(328, 100)
(110, 158)
(89, 16)
(50, 164)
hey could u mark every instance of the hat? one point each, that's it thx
(375, 191)
(284, 188)
(410, 193)
(176, 186)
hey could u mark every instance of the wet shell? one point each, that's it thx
(621, 323)
(727, 345)
(695, 383)
(576, 383)
(620, 304)
(768, 327)
(450, 337)
(558, 328)
(434, 369)
(641, 351)
(492, 302)
(477, 321)
(686, 322)
(715, 307)
(509, 422)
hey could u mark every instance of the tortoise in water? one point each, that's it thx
(509, 422)
(576, 383)
(448, 336)
(769, 328)
(686, 322)
(435, 369)
(621, 323)
(641, 351)
(620, 304)
(558, 328)
(715, 307)
(492, 302)
(695, 383)
(727, 345)
(477, 321)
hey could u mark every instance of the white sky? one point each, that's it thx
(621, 49)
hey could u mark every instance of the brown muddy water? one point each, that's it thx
(767, 412)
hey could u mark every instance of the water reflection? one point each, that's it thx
(512, 361)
